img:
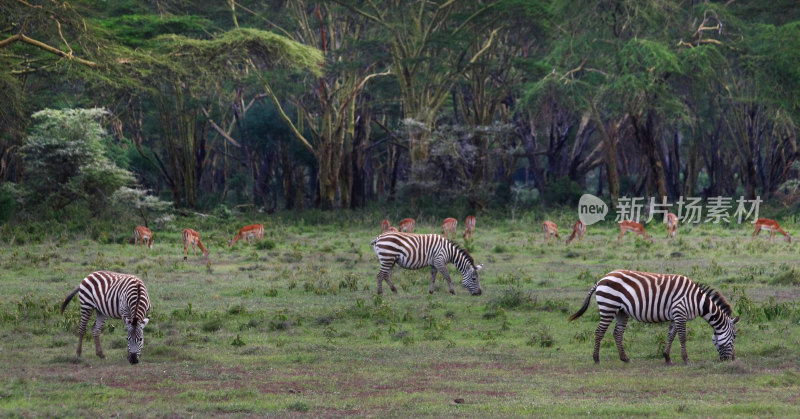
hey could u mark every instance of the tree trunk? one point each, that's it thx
(646, 137)
(287, 177)
(608, 135)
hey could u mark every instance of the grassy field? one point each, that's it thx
(292, 325)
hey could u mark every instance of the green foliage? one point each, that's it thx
(264, 49)
(139, 30)
(66, 160)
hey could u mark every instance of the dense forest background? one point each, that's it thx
(288, 104)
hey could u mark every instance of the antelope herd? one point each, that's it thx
(191, 238)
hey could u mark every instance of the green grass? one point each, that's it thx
(293, 325)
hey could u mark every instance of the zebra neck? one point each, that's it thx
(460, 261)
(716, 318)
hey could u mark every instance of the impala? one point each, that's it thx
(672, 225)
(449, 228)
(549, 229)
(469, 227)
(578, 230)
(142, 234)
(407, 225)
(386, 227)
(192, 238)
(253, 231)
(633, 227)
(772, 226)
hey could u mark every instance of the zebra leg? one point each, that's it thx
(96, 329)
(443, 269)
(680, 325)
(670, 338)
(619, 330)
(381, 276)
(605, 321)
(86, 313)
(433, 278)
(385, 275)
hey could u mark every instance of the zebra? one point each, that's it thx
(113, 295)
(653, 298)
(415, 251)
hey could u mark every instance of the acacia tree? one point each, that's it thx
(427, 41)
(328, 113)
(484, 95)
(194, 82)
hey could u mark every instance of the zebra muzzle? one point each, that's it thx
(133, 358)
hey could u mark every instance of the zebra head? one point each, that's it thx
(470, 280)
(724, 337)
(135, 338)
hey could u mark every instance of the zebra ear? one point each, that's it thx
(736, 319)
(479, 267)
(145, 321)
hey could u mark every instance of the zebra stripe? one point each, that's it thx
(113, 295)
(415, 251)
(652, 298)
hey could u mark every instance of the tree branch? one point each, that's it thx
(285, 117)
(220, 130)
(20, 37)
(485, 47)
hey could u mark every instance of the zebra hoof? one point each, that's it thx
(394, 290)
(184, 258)
(101, 355)
(626, 359)
(453, 292)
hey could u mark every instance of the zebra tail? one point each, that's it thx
(69, 298)
(585, 304)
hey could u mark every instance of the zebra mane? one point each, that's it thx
(134, 319)
(718, 299)
(463, 252)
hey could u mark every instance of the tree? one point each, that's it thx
(193, 83)
(427, 41)
(36, 40)
(328, 110)
(66, 161)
